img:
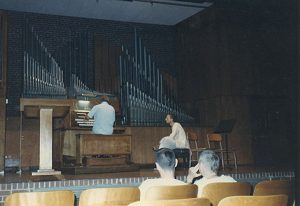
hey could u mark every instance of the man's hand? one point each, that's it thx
(193, 172)
(86, 117)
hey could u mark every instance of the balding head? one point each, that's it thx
(104, 98)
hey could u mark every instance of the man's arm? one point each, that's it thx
(90, 114)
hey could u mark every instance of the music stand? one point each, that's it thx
(225, 127)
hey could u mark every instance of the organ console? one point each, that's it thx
(80, 108)
(72, 112)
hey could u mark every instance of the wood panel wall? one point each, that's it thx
(3, 73)
(30, 142)
(106, 66)
(143, 139)
(239, 63)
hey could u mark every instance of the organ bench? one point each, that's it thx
(113, 149)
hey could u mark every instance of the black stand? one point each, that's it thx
(183, 153)
(225, 127)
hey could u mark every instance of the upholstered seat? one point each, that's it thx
(109, 196)
(177, 202)
(57, 198)
(275, 187)
(217, 191)
(273, 200)
(171, 192)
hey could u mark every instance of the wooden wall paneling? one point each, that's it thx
(114, 70)
(106, 66)
(98, 65)
(110, 63)
(118, 86)
(240, 138)
(230, 64)
(30, 141)
(57, 149)
(143, 139)
(2, 132)
(212, 110)
(3, 68)
(12, 145)
(102, 72)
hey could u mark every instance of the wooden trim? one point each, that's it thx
(3, 30)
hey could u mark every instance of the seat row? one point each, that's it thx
(270, 200)
(222, 194)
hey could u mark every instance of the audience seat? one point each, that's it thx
(171, 192)
(217, 191)
(177, 202)
(109, 196)
(275, 187)
(51, 198)
(273, 200)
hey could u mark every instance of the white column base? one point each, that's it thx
(46, 172)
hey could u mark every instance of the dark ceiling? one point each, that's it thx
(164, 12)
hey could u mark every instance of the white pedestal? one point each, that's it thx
(45, 163)
(46, 172)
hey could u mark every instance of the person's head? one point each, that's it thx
(209, 162)
(170, 119)
(104, 98)
(165, 160)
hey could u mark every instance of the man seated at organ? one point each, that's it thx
(104, 116)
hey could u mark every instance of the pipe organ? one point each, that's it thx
(43, 77)
(60, 76)
(144, 94)
(56, 86)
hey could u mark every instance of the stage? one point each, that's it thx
(11, 182)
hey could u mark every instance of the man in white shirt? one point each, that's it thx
(104, 116)
(206, 171)
(165, 163)
(177, 139)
